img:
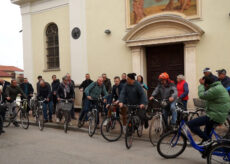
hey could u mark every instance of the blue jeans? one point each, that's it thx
(50, 104)
(195, 124)
(173, 111)
(185, 104)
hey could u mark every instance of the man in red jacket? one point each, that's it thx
(182, 88)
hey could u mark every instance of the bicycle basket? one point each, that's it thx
(66, 106)
(199, 103)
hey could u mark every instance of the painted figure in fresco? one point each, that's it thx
(184, 5)
(138, 10)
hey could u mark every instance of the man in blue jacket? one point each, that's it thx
(225, 80)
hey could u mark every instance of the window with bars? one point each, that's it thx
(52, 46)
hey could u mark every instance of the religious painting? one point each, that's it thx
(139, 9)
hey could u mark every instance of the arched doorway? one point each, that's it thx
(148, 37)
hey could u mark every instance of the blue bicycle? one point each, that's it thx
(173, 143)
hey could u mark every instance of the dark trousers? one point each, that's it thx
(54, 103)
(195, 124)
(87, 105)
(2, 115)
(185, 104)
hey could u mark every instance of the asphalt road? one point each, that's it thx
(53, 146)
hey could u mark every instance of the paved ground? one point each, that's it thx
(53, 146)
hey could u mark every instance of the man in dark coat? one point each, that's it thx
(71, 84)
(84, 85)
(107, 83)
(38, 83)
(225, 80)
(123, 79)
(55, 84)
(4, 85)
(45, 94)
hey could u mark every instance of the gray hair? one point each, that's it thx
(64, 78)
(181, 77)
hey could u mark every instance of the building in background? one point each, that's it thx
(115, 36)
(10, 72)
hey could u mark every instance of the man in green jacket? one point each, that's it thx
(217, 107)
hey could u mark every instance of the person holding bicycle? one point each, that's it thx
(116, 91)
(217, 107)
(93, 92)
(133, 94)
(66, 92)
(168, 91)
(45, 94)
(12, 92)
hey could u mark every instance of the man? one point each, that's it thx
(28, 89)
(4, 85)
(182, 89)
(107, 83)
(45, 94)
(208, 73)
(225, 80)
(84, 85)
(123, 79)
(92, 92)
(218, 106)
(133, 94)
(2, 111)
(114, 98)
(12, 92)
(71, 84)
(38, 83)
(167, 90)
(64, 91)
(55, 84)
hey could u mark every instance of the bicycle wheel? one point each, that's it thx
(171, 144)
(24, 119)
(66, 123)
(156, 129)
(92, 123)
(40, 119)
(129, 134)
(219, 153)
(7, 119)
(111, 129)
(140, 129)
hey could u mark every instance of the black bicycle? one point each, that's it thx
(92, 116)
(65, 109)
(134, 123)
(38, 113)
(111, 127)
(13, 110)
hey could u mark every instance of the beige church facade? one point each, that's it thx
(159, 38)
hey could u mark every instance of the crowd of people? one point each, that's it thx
(127, 89)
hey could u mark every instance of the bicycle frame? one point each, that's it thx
(185, 130)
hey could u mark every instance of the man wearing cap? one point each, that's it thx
(133, 94)
(208, 73)
(225, 80)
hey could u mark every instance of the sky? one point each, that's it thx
(11, 51)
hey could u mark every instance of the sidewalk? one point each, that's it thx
(74, 127)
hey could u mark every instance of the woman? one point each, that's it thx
(141, 81)
(182, 88)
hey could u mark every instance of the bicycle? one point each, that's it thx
(66, 107)
(13, 111)
(92, 116)
(111, 127)
(134, 123)
(38, 114)
(178, 139)
(158, 125)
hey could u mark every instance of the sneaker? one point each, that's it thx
(15, 124)
(105, 123)
(205, 143)
(57, 120)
